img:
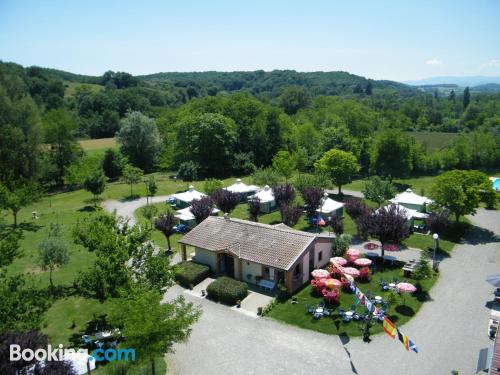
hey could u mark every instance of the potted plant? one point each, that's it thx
(238, 304)
(259, 311)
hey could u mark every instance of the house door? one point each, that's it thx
(311, 261)
(227, 265)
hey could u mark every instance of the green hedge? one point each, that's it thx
(189, 274)
(227, 290)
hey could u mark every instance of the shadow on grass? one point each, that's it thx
(29, 227)
(405, 310)
(98, 323)
(401, 187)
(88, 209)
(130, 198)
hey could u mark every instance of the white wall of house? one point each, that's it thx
(305, 267)
(206, 257)
(252, 269)
(325, 249)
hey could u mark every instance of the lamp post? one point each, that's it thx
(436, 245)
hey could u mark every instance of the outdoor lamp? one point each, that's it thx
(436, 239)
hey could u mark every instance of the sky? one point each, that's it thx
(380, 39)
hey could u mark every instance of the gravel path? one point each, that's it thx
(126, 208)
(449, 330)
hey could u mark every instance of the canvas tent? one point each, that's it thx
(187, 218)
(266, 196)
(412, 201)
(330, 208)
(241, 188)
(184, 199)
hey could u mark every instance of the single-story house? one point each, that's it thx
(182, 200)
(243, 189)
(412, 201)
(266, 196)
(330, 208)
(187, 218)
(257, 253)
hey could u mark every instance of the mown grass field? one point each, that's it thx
(97, 146)
(434, 141)
(71, 87)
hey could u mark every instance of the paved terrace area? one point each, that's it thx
(449, 330)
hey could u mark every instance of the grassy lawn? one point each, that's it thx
(402, 310)
(434, 141)
(97, 146)
(71, 87)
(417, 184)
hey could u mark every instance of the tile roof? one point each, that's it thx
(265, 244)
(495, 360)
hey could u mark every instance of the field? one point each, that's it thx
(433, 141)
(97, 146)
(71, 87)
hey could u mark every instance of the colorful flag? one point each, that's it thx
(403, 338)
(360, 297)
(369, 305)
(389, 327)
(413, 346)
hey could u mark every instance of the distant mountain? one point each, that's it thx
(488, 87)
(460, 81)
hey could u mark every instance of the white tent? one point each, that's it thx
(331, 206)
(185, 198)
(242, 188)
(266, 196)
(186, 215)
(411, 200)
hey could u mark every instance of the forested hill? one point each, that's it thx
(272, 83)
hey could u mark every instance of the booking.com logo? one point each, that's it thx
(60, 354)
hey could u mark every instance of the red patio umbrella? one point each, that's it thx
(362, 262)
(338, 260)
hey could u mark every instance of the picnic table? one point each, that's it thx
(409, 267)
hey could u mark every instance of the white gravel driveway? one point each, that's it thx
(126, 208)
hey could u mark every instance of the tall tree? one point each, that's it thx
(312, 197)
(389, 224)
(206, 140)
(392, 155)
(340, 165)
(254, 209)
(165, 224)
(152, 326)
(59, 132)
(201, 208)
(151, 187)
(378, 190)
(226, 200)
(140, 140)
(291, 214)
(18, 197)
(9, 244)
(460, 192)
(95, 183)
(284, 195)
(285, 164)
(53, 251)
(466, 98)
(294, 98)
(132, 175)
(113, 163)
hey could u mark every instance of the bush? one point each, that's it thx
(227, 290)
(438, 221)
(188, 171)
(266, 176)
(189, 273)
(341, 244)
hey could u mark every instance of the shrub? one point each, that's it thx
(227, 290)
(341, 244)
(189, 273)
(438, 221)
(267, 309)
(188, 171)
(212, 185)
(265, 176)
(423, 269)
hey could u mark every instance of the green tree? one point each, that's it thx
(466, 98)
(460, 191)
(95, 183)
(132, 175)
(149, 212)
(152, 326)
(151, 187)
(59, 132)
(207, 140)
(165, 224)
(113, 163)
(392, 154)
(53, 251)
(210, 185)
(294, 98)
(285, 164)
(340, 165)
(140, 140)
(378, 190)
(17, 198)
(9, 244)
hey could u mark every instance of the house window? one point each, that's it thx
(320, 256)
(266, 272)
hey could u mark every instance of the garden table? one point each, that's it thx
(319, 310)
(349, 313)
(378, 299)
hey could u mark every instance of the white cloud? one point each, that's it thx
(433, 62)
(495, 63)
